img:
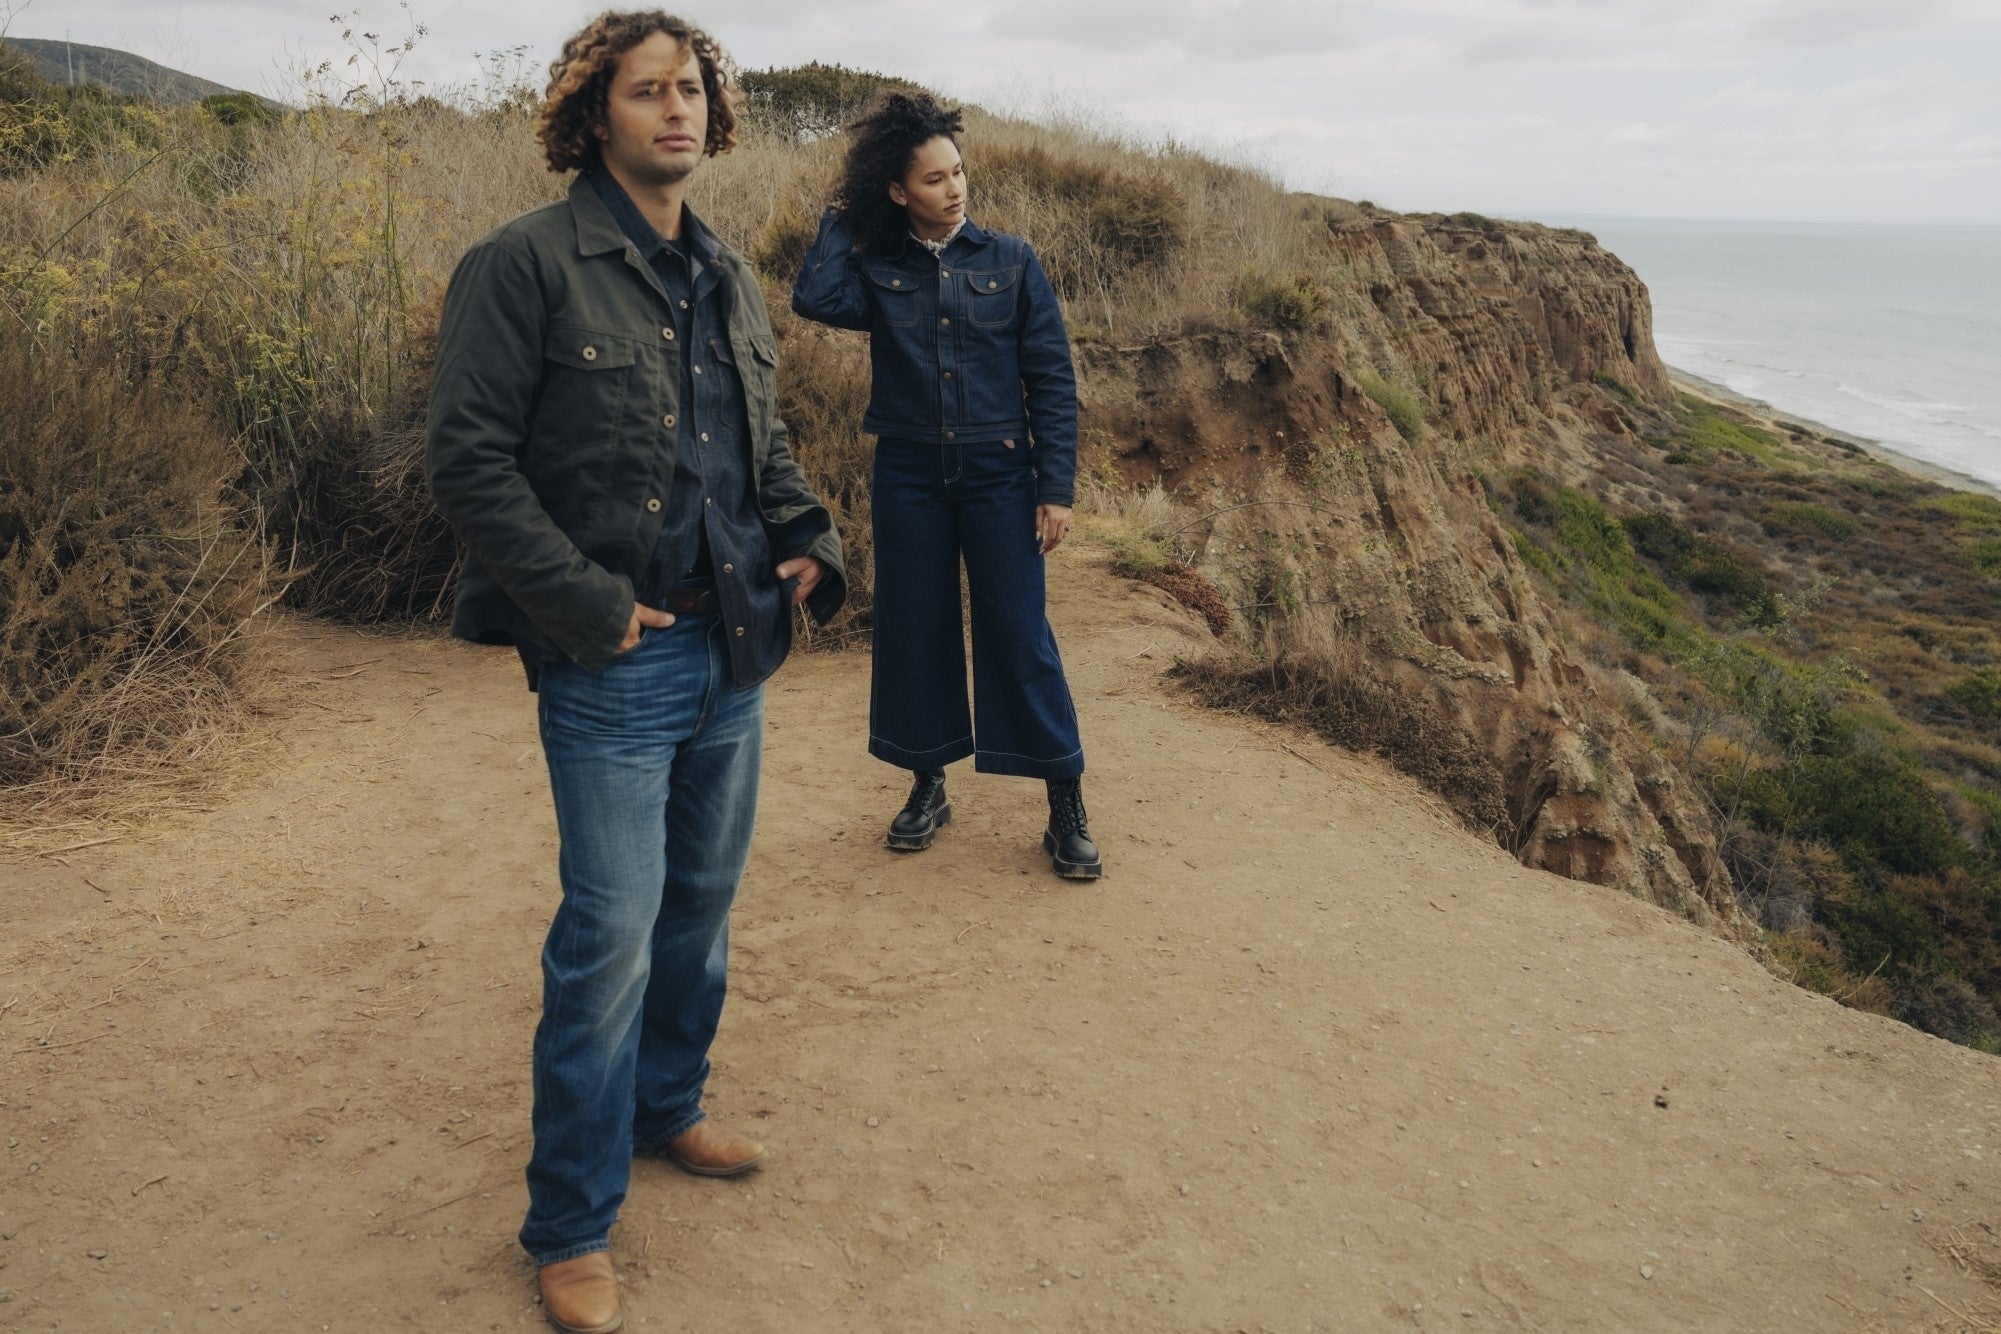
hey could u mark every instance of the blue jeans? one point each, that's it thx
(654, 765)
(933, 505)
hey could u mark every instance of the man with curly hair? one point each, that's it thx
(604, 438)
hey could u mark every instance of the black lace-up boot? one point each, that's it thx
(1068, 838)
(917, 823)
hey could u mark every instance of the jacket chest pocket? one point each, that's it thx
(991, 296)
(586, 376)
(895, 296)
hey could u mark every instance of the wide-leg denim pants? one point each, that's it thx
(654, 766)
(934, 505)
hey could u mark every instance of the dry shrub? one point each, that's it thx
(1094, 225)
(1349, 700)
(128, 567)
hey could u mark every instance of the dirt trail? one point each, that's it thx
(1310, 1057)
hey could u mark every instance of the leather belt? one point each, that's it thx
(690, 601)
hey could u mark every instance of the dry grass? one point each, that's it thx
(129, 572)
(1346, 697)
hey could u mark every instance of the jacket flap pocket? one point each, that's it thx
(999, 280)
(587, 351)
(894, 281)
(765, 348)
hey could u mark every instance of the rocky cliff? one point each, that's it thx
(1329, 523)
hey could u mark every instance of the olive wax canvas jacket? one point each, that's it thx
(551, 438)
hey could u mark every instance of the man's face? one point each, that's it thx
(656, 114)
(934, 189)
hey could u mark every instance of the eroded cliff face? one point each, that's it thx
(1328, 524)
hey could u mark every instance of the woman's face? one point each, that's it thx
(933, 190)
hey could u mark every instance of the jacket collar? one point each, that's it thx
(598, 232)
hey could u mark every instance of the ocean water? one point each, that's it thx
(1887, 332)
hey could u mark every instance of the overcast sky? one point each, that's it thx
(1839, 110)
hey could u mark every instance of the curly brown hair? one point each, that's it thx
(573, 106)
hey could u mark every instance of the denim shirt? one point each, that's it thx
(964, 346)
(708, 505)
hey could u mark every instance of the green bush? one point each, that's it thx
(1288, 300)
(807, 102)
(1978, 692)
(1594, 559)
(1398, 404)
(1705, 566)
(1876, 811)
(1704, 430)
(1799, 516)
(1984, 555)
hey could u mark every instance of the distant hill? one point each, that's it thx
(117, 71)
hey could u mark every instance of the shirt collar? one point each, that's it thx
(701, 242)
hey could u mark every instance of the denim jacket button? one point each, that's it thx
(944, 273)
(948, 375)
(944, 319)
(951, 435)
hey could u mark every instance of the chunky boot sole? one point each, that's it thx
(919, 842)
(1070, 870)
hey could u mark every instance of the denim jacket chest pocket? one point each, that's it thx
(991, 296)
(895, 293)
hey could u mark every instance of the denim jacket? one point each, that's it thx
(964, 346)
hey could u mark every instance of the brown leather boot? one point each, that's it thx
(710, 1150)
(580, 1296)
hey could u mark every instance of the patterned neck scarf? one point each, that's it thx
(937, 247)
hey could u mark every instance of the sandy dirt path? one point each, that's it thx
(1310, 1057)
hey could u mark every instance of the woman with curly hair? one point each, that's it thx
(974, 404)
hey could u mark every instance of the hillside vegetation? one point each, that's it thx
(1425, 476)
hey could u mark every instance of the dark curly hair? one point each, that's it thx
(573, 107)
(885, 140)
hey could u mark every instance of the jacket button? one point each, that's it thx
(944, 273)
(739, 632)
(944, 319)
(951, 435)
(705, 435)
(668, 334)
(896, 282)
(698, 370)
(668, 421)
(948, 375)
(590, 354)
(653, 506)
(729, 569)
(991, 284)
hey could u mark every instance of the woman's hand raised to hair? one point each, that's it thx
(1052, 525)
